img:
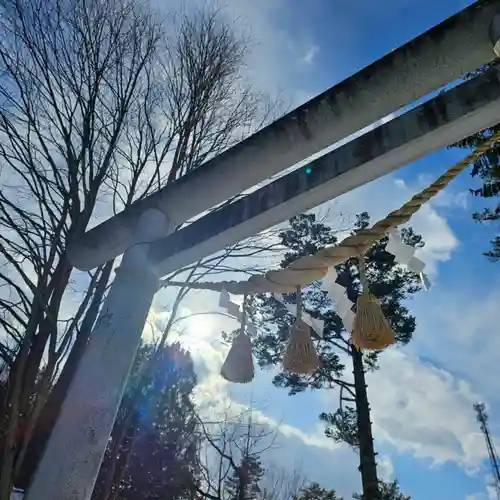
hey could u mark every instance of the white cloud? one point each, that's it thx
(466, 319)
(421, 410)
(475, 496)
(438, 236)
(489, 494)
(385, 468)
(336, 469)
(449, 198)
(310, 55)
(427, 412)
(440, 240)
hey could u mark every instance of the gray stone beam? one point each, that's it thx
(451, 116)
(446, 52)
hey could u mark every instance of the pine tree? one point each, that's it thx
(154, 436)
(390, 283)
(388, 491)
(244, 482)
(315, 492)
(486, 168)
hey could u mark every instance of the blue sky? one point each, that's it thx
(421, 398)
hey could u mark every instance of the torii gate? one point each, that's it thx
(143, 233)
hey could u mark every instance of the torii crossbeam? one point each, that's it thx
(459, 45)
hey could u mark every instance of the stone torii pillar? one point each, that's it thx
(75, 450)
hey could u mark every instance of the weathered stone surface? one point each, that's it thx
(447, 118)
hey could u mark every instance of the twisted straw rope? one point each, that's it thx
(311, 268)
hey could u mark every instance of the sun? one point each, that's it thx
(199, 331)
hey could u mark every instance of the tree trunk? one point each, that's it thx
(367, 466)
(242, 484)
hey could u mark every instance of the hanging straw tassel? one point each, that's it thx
(300, 354)
(370, 329)
(238, 366)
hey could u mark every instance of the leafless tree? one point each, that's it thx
(70, 73)
(100, 104)
(230, 443)
(282, 484)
